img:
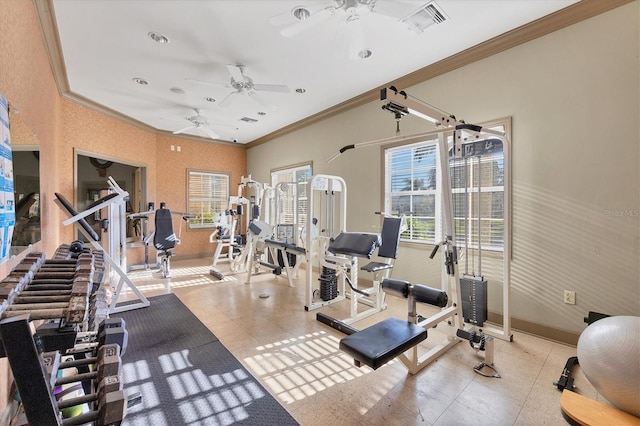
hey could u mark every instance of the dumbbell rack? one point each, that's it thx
(29, 374)
(79, 306)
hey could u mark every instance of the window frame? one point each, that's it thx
(300, 201)
(222, 201)
(416, 141)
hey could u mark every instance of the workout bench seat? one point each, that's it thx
(376, 345)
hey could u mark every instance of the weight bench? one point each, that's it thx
(376, 345)
(380, 343)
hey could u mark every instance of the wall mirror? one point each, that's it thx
(92, 171)
(25, 150)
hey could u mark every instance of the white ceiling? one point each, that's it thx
(105, 45)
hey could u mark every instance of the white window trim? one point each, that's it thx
(200, 223)
(506, 187)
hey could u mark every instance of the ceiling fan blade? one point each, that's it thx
(280, 88)
(209, 132)
(184, 130)
(229, 99)
(236, 72)
(261, 100)
(232, 127)
(282, 19)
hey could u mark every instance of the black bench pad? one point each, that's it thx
(355, 244)
(376, 345)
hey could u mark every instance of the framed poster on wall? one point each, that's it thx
(7, 201)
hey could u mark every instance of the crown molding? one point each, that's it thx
(570, 15)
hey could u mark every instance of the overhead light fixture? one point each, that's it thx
(140, 81)
(301, 13)
(426, 16)
(365, 53)
(158, 38)
(300, 90)
(177, 91)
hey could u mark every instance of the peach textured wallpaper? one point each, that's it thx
(61, 126)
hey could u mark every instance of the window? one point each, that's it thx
(207, 194)
(411, 187)
(293, 197)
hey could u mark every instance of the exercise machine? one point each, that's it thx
(117, 276)
(140, 224)
(466, 139)
(283, 255)
(337, 252)
(242, 210)
(163, 236)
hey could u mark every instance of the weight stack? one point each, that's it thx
(328, 284)
(473, 291)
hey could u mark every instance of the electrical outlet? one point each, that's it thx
(570, 297)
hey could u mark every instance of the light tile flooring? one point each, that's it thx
(297, 359)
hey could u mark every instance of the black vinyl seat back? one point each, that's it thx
(164, 237)
(73, 212)
(390, 237)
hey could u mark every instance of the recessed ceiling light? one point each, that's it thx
(300, 90)
(301, 13)
(178, 91)
(140, 81)
(365, 53)
(209, 99)
(158, 38)
(262, 113)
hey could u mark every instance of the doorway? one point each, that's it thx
(91, 174)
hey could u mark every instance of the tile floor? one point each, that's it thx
(297, 359)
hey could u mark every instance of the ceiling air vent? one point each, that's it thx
(249, 120)
(427, 15)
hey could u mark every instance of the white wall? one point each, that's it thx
(574, 97)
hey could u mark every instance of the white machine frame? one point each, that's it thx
(317, 250)
(399, 103)
(118, 201)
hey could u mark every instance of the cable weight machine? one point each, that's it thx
(463, 142)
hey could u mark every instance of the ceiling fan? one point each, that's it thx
(201, 123)
(302, 18)
(244, 85)
(407, 14)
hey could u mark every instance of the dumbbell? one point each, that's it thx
(111, 409)
(106, 363)
(110, 330)
(106, 370)
(71, 407)
(74, 311)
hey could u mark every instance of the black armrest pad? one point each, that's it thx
(380, 343)
(82, 222)
(355, 244)
(102, 200)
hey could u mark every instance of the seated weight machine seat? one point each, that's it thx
(164, 239)
(390, 236)
(376, 345)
